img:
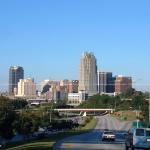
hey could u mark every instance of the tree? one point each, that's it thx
(18, 103)
(145, 113)
(27, 122)
(138, 102)
(129, 93)
(7, 117)
(101, 101)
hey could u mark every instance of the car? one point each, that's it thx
(138, 138)
(108, 135)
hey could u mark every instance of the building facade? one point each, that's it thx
(88, 74)
(106, 82)
(122, 84)
(26, 88)
(73, 86)
(64, 82)
(44, 83)
(15, 74)
(75, 99)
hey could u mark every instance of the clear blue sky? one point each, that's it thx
(47, 37)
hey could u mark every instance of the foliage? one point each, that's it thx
(61, 104)
(27, 123)
(138, 102)
(63, 124)
(7, 117)
(129, 93)
(101, 101)
(90, 125)
(124, 105)
(18, 103)
(145, 113)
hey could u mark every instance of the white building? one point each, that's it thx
(88, 74)
(26, 88)
(75, 99)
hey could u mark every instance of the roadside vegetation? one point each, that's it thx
(90, 124)
(126, 115)
(130, 105)
(17, 118)
(47, 143)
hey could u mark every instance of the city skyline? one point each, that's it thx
(47, 38)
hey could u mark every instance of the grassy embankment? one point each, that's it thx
(125, 115)
(47, 143)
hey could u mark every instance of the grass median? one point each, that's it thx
(47, 143)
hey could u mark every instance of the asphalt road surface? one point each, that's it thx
(93, 139)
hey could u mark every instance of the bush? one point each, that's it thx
(87, 120)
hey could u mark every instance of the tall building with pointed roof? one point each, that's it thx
(88, 73)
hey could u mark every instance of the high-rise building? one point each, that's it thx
(88, 74)
(26, 88)
(15, 74)
(122, 84)
(73, 86)
(106, 82)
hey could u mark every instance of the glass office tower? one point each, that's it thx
(15, 74)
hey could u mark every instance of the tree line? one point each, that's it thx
(129, 100)
(17, 118)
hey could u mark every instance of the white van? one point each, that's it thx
(138, 138)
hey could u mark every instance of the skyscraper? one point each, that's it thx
(88, 74)
(15, 74)
(106, 82)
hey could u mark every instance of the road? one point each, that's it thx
(92, 140)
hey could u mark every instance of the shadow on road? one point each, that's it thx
(92, 140)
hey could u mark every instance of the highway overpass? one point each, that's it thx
(85, 110)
